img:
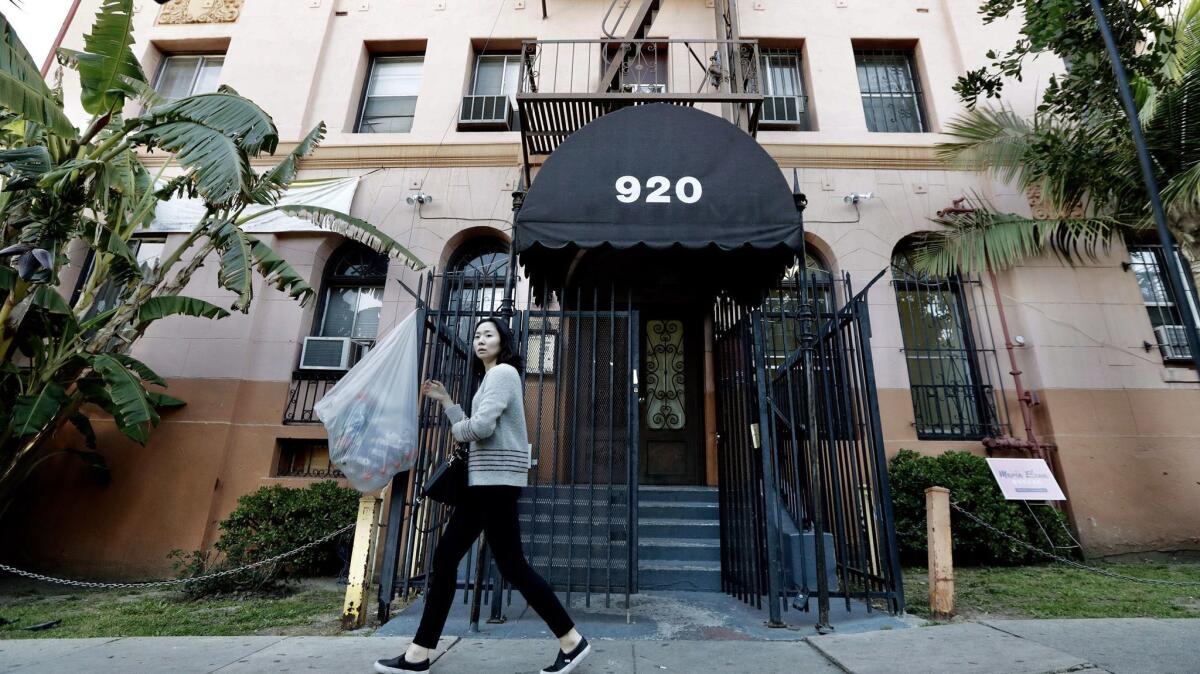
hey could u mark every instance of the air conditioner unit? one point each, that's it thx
(325, 353)
(782, 111)
(486, 112)
(1172, 342)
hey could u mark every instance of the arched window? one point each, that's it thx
(473, 285)
(782, 307)
(353, 294)
(950, 399)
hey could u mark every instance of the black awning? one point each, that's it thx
(660, 176)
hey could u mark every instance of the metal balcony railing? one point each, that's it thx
(568, 83)
(308, 387)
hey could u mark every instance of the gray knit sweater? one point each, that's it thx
(496, 430)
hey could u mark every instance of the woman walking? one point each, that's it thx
(497, 469)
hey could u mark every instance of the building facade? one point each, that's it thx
(426, 97)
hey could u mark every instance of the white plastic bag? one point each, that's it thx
(371, 414)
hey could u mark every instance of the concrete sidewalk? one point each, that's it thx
(1139, 645)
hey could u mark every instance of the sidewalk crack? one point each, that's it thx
(832, 660)
(443, 654)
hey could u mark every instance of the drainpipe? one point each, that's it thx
(1024, 397)
(62, 32)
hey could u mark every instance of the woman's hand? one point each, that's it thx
(435, 390)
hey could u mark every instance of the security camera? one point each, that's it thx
(855, 197)
(418, 198)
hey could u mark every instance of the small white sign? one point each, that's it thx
(1026, 480)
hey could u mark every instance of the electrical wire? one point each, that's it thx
(857, 219)
(426, 217)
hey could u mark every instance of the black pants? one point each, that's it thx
(492, 510)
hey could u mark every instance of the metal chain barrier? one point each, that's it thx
(179, 581)
(1071, 562)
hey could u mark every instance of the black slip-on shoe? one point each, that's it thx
(566, 662)
(398, 665)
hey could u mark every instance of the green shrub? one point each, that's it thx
(972, 486)
(268, 522)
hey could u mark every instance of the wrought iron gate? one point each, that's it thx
(802, 464)
(577, 515)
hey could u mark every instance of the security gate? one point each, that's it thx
(805, 505)
(577, 514)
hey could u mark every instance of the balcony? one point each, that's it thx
(567, 83)
(308, 387)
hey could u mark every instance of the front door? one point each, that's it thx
(671, 389)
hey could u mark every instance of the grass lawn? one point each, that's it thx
(1058, 591)
(314, 608)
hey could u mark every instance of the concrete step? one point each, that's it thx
(602, 551)
(679, 549)
(679, 575)
(653, 527)
(682, 494)
(687, 510)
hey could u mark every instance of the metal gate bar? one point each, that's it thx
(581, 351)
(800, 438)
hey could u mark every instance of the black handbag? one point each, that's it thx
(447, 483)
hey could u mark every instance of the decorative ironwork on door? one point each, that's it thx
(665, 376)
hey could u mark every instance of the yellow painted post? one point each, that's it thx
(354, 614)
(941, 562)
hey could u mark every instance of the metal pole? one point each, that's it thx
(1160, 219)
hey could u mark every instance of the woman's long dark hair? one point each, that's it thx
(508, 350)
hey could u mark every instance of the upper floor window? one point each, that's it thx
(784, 101)
(183, 76)
(491, 102)
(496, 74)
(391, 94)
(891, 91)
(1149, 265)
(354, 280)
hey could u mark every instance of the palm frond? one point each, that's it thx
(236, 117)
(994, 140)
(272, 184)
(221, 169)
(350, 227)
(107, 61)
(22, 89)
(976, 241)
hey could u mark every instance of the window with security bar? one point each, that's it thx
(390, 100)
(952, 399)
(305, 458)
(785, 104)
(473, 285)
(891, 91)
(183, 76)
(1149, 265)
(491, 103)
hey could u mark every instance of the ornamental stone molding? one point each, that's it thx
(200, 11)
